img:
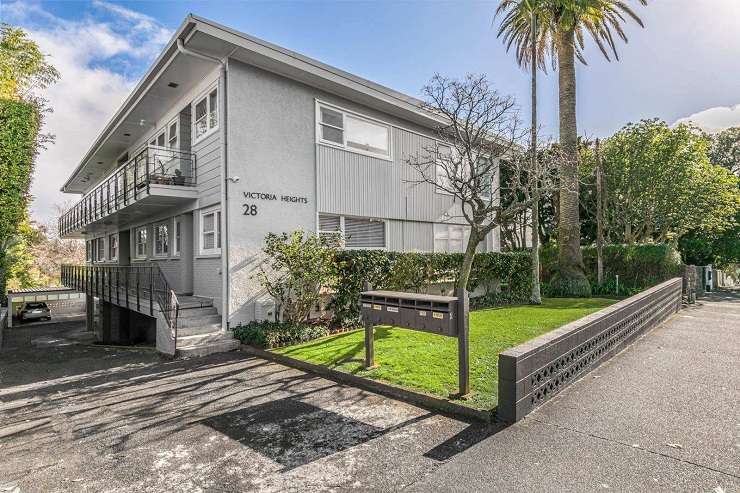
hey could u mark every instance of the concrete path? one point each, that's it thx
(664, 415)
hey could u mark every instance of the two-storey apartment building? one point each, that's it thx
(227, 138)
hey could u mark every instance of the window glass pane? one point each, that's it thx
(213, 108)
(441, 232)
(200, 109)
(456, 232)
(208, 222)
(455, 246)
(332, 134)
(160, 140)
(328, 223)
(440, 245)
(367, 136)
(364, 233)
(331, 117)
(218, 229)
(173, 131)
(208, 241)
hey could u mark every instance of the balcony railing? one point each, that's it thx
(141, 288)
(129, 183)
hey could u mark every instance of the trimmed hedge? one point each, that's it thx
(417, 271)
(638, 266)
(270, 335)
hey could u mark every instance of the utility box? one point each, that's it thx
(264, 310)
(441, 315)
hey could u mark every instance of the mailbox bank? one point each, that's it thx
(441, 315)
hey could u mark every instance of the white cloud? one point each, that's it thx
(714, 119)
(85, 52)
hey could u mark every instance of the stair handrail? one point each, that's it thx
(102, 281)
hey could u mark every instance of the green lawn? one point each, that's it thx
(428, 362)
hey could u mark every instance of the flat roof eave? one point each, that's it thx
(282, 61)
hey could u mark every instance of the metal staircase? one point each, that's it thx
(194, 323)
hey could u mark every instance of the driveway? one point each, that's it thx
(79, 418)
(661, 416)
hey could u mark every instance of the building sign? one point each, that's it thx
(252, 209)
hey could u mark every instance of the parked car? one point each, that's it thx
(35, 310)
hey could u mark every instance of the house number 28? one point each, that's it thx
(250, 210)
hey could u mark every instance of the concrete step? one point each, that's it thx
(198, 329)
(197, 320)
(202, 339)
(222, 346)
(188, 302)
(196, 311)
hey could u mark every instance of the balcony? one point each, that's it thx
(156, 177)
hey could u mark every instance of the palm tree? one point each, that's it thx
(560, 33)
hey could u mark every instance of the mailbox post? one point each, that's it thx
(442, 315)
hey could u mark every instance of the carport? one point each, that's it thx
(59, 299)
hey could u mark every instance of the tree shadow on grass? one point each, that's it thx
(347, 352)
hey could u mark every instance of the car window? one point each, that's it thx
(34, 306)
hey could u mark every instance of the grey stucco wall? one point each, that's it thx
(273, 150)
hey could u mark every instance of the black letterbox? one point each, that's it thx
(425, 312)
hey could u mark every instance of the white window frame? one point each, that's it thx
(342, 231)
(110, 246)
(177, 236)
(136, 242)
(99, 247)
(162, 132)
(345, 113)
(156, 227)
(205, 95)
(168, 138)
(216, 250)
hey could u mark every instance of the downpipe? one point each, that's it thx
(224, 177)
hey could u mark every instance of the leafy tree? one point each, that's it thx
(725, 149)
(660, 184)
(23, 70)
(297, 266)
(23, 67)
(561, 25)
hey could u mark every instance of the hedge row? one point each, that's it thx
(268, 335)
(417, 271)
(638, 266)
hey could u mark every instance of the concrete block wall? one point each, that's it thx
(531, 373)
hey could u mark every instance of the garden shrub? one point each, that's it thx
(417, 271)
(638, 266)
(269, 335)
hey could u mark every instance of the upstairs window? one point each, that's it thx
(140, 238)
(210, 228)
(113, 247)
(161, 240)
(354, 132)
(206, 114)
(355, 232)
(172, 137)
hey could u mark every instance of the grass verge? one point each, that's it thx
(428, 362)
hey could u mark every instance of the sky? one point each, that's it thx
(683, 66)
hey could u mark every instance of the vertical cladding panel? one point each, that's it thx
(359, 185)
(355, 184)
(208, 167)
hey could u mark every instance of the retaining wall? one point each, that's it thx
(531, 373)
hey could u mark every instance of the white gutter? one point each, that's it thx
(224, 179)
